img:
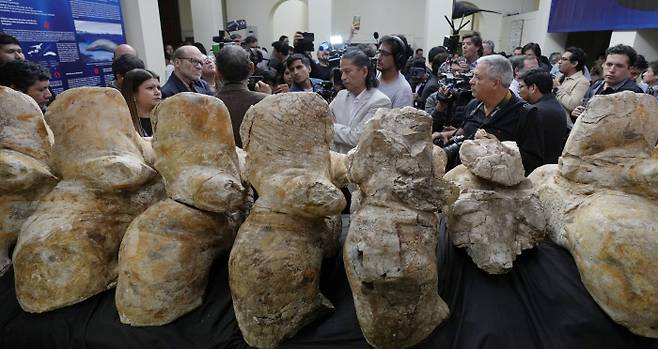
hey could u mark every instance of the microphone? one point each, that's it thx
(375, 35)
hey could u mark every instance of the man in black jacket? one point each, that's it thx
(497, 113)
(188, 67)
(616, 76)
(536, 87)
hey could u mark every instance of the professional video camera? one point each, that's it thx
(458, 87)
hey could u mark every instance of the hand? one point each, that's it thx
(576, 112)
(556, 83)
(441, 107)
(263, 87)
(482, 134)
(444, 91)
(282, 88)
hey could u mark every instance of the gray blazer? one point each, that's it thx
(350, 117)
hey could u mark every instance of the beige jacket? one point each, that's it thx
(572, 90)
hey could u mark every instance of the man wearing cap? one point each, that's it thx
(322, 69)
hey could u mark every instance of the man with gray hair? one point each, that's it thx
(497, 113)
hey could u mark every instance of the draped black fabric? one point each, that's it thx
(541, 303)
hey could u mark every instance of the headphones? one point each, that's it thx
(399, 58)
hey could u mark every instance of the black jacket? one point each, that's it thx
(554, 123)
(597, 88)
(174, 85)
(512, 120)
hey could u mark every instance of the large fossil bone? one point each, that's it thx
(274, 267)
(168, 250)
(390, 250)
(67, 249)
(25, 177)
(601, 203)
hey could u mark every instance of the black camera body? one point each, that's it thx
(451, 148)
(459, 89)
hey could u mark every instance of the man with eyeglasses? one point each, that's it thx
(188, 68)
(572, 85)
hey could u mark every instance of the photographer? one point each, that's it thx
(446, 106)
(233, 69)
(497, 113)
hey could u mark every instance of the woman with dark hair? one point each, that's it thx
(141, 89)
(357, 103)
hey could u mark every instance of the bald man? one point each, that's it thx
(124, 49)
(188, 67)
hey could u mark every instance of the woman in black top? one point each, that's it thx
(141, 89)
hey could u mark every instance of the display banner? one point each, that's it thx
(74, 39)
(597, 15)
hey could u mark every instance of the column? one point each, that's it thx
(553, 42)
(142, 26)
(643, 41)
(436, 27)
(319, 20)
(207, 20)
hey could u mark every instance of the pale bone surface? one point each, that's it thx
(490, 159)
(67, 249)
(601, 204)
(274, 267)
(390, 251)
(25, 177)
(194, 153)
(494, 223)
(167, 251)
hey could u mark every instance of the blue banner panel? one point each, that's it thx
(75, 39)
(597, 15)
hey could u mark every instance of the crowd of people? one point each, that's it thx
(524, 97)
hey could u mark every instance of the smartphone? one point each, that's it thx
(253, 80)
(356, 22)
(309, 36)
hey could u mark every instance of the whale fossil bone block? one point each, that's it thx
(25, 176)
(601, 204)
(390, 250)
(67, 249)
(274, 266)
(168, 250)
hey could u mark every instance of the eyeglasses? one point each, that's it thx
(194, 61)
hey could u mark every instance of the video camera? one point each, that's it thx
(458, 87)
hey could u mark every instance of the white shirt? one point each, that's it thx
(398, 91)
(351, 113)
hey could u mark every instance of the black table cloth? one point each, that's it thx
(541, 303)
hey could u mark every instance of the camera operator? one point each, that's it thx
(446, 106)
(497, 113)
(303, 44)
(358, 102)
(323, 67)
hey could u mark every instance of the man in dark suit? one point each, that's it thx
(188, 68)
(616, 76)
(536, 88)
(234, 68)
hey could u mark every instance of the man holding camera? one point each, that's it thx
(234, 67)
(391, 57)
(497, 113)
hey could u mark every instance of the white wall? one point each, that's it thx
(645, 42)
(288, 17)
(207, 19)
(185, 13)
(142, 27)
(257, 13)
(382, 16)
